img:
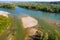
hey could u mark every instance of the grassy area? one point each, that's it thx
(4, 22)
(5, 27)
(19, 30)
(49, 31)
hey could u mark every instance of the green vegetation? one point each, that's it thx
(46, 36)
(4, 22)
(47, 31)
(55, 8)
(19, 31)
(8, 5)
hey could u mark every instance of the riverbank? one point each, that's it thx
(5, 20)
(6, 31)
(51, 8)
(7, 5)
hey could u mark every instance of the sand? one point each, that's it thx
(33, 31)
(4, 13)
(28, 21)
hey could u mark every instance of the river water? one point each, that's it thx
(39, 14)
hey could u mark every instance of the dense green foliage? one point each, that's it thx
(8, 5)
(41, 7)
(4, 22)
(35, 6)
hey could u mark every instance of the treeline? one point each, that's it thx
(54, 8)
(8, 5)
(56, 2)
(47, 7)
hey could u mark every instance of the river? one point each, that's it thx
(36, 14)
(19, 10)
